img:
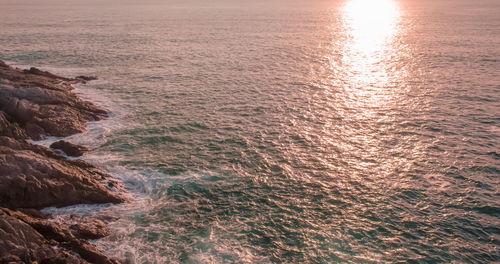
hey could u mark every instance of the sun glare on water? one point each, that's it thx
(371, 26)
(372, 22)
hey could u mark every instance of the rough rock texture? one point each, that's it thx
(27, 239)
(21, 243)
(42, 103)
(88, 228)
(69, 148)
(34, 104)
(34, 177)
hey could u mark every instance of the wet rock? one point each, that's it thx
(35, 178)
(69, 148)
(34, 104)
(86, 78)
(43, 104)
(89, 228)
(37, 71)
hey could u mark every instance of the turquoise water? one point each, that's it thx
(284, 131)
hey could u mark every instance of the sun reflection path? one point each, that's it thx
(368, 63)
(368, 49)
(372, 23)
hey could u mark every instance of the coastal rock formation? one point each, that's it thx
(34, 177)
(88, 228)
(26, 239)
(69, 148)
(34, 104)
(42, 103)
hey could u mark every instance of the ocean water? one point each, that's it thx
(284, 131)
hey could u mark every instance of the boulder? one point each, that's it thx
(69, 148)
(88, 228)
(86, 78)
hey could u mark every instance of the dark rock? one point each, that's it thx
(43, 104)
(30, 239)
(27, 78)
(37, 71)
(22, 243)
(86, 78)
(35, 178)
(88, 228)
(34, 104)
(10, 129)
(33, 213)
(4, 123)
(69, 148)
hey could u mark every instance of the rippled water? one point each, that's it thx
(285, 131)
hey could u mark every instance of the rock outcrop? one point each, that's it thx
(34, 177)
(69, 148)
(26, 239)
(35, 104)
(42, 103)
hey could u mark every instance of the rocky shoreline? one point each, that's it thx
(35, 104)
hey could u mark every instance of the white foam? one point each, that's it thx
(46, 142)
(129, 240)
(136, 182)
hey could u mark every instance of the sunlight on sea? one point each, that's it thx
(284, 131)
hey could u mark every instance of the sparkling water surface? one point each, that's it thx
(284, 131)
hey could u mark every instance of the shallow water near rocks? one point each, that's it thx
(284, 131)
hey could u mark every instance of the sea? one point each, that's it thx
(283, 131)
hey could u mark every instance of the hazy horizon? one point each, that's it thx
(279, 131)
